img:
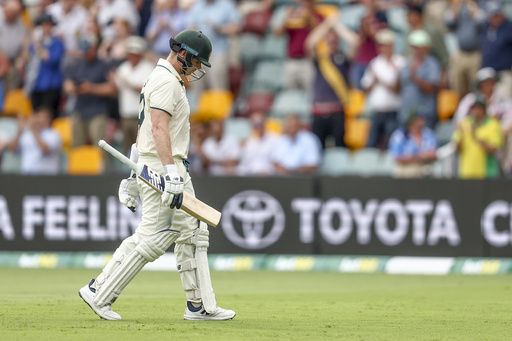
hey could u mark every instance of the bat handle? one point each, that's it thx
(118, 155)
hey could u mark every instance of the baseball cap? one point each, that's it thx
(419, 38)
(136, 45)
(385, 36)
(485, 74)
(45, 18)
(493, 7)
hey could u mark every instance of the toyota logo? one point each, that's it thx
(253, 220)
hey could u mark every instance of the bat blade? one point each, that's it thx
(191, 204)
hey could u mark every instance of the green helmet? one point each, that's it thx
(195, 43)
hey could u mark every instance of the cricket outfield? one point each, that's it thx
(43, 304)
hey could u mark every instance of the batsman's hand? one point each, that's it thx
(172, 195)
(129, 193)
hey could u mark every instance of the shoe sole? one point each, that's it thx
(200, 318)
(90, 306)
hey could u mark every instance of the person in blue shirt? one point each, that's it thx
(413, 147)
(218, 20)
(419, 80)
(496, 43)
(43, 79)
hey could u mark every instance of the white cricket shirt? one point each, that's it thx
(164, 90)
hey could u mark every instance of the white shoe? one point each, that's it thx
(201, 314)
(105, 312)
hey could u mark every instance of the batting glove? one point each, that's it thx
(129, 193)
(172, 195)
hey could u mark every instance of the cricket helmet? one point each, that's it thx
(195, 43)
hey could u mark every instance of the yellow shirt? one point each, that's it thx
(474, 161)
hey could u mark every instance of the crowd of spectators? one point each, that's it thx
(88, 60)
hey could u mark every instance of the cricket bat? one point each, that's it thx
(191, 205)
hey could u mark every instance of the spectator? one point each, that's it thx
(466, 20)
(4, 68)
(437, 45)
(330, 86)
(166, 21)
(477, 139)
(43, 79)
(70, 17)
(371, 23)
(496, 44)
(107, 11)
(218, 19)
(14, 41)
(113, 49)
(88, 80)
(298, 22)
(221, 151)
(130, 77)
(381, 83)
(298, 150)
(419, 79)
(255, 153)
(413, 147)
(38, 145)
(196, 157)
(498, 106)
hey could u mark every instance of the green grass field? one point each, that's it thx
(44, 305)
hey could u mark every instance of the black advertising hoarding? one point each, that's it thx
(303, 215)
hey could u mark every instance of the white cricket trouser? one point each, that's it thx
(156, 216)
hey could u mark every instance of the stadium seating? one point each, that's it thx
(259, 101)
(16, 102)
(239, 127)
(11, 163)
(267, 77)
(356, 132)
(356, 104)
(257, 21)
(351, 16)
(85, 160)
(292, 102)
(444, 131)
(274, 126)
(363, 162)
(447, 102)
(273, 47)
(214, 105)
(8, 129)
(250, 44)
(334, 161)
(64, 128)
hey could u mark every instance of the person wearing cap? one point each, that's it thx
(477, 138)
(498, 106)
(163, 142)
(496, 44)
(419, 79)
(465, 19)
(130, 77)
(43, 78)
(437, 45)
(87, 79)
(413, 147)
(381, 84)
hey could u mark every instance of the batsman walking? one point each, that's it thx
(162, 144)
